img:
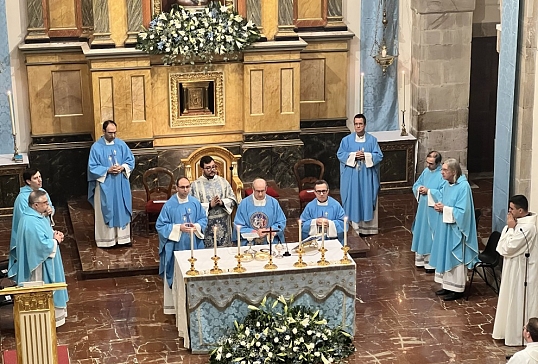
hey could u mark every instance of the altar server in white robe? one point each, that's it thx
(109, 167)
(359, 156)
(258, 213)
(427, 191)
(517, 302)
(530, 354)
(324, 211)
(217, 198)
(181, 218)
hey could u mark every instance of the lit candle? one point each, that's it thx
(403, 85)
(362, 93)
(215, 240)
(345, 230)
(11, 112)
(300, 231)
(238, 227)
(192, 243)
(384, 51)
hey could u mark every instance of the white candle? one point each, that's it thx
(11, 112)
(403, 86)
(345, 230)
(323, 235)
(362, 93)
(384, 52)
(192, 243)
(300, 231)
(238, 239)
(215, 240)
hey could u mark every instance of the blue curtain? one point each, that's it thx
(380, 90)
(6, 138)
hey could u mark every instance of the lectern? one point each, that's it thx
(35, 324)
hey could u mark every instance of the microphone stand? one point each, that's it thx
(527, 255)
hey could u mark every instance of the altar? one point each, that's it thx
(207, 305)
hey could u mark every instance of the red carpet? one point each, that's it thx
(10, 356)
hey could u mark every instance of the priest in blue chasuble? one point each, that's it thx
(427, 191)
(217, 198)
(455, 244)
(324, 211)
(33, 181)
(359, 156)
(258, 213)
(38, 251)
(182, 218)
(109, 167)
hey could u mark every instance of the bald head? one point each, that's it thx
(260, 187)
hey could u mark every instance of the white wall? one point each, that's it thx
(16, 25)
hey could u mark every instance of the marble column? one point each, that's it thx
(101, 35)
(334, 16)
(254, 13)
(440, 77)
(285, 21)
(87, 18)
(36, 26)
(134, 21)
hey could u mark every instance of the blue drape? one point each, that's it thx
(380, 91)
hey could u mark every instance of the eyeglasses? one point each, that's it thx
(321, 191)
(210, 168)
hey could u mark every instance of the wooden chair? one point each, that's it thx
(226, 163)
(158, 183)
(306, 176)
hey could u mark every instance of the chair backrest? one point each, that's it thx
(305, 172)
(477, 214)
(226, 163)
(158, 183)
(491, 245)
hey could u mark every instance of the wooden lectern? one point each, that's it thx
(35, 323)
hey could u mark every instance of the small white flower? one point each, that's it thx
(276, 339)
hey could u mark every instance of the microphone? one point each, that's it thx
(527, 254)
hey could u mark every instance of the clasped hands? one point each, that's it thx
(321, 221)
(438, 207)
(216, 201)
(423, 190)
(264, 231)
(187, 227)
(115, 169)
(359, 155)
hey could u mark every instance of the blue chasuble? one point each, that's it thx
(455, 243)
(174, 212)
(35, 243)
(423, 227)
(251, 217)
(116, 200)
(20, 206)
(332, 211)
(359, 185)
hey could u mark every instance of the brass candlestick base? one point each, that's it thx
(322, 261)
(192, 271)
(239, 268)
(300, 263)
(270, 264)
(216, 269)
(345, 259)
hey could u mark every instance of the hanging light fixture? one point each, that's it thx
(383, 58)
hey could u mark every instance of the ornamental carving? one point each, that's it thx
(196, 99)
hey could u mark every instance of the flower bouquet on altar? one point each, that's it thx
(185, 36)
(280, 333)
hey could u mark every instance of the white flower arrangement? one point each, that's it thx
(283, 334)
(184, 36)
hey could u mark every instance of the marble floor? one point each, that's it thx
(399, 319)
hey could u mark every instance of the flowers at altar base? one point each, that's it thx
(281, 333)
(185, 36)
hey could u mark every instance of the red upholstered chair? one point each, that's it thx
(307, 172)
(270, 191)
(158, 183)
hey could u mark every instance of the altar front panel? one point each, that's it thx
(207, 305)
